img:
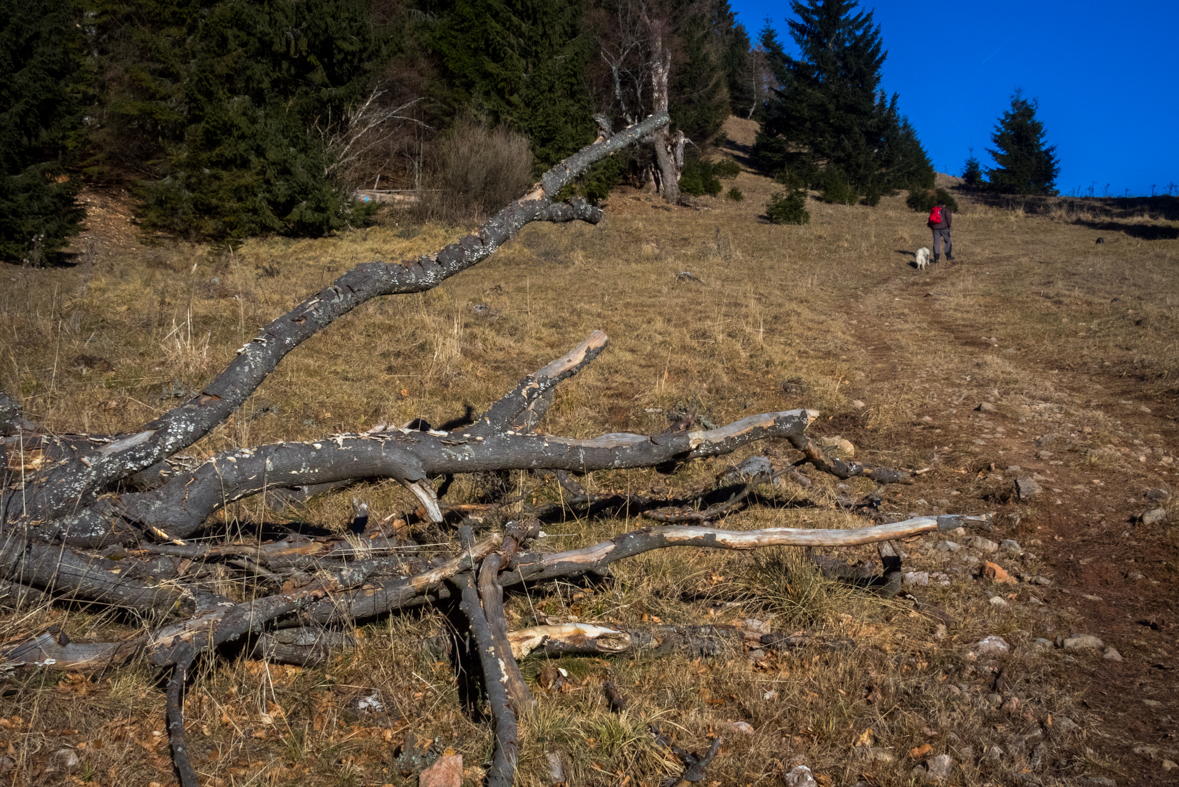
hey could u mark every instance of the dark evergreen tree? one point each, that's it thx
(699, 95)
(1023, 164)
(771, 151)
(520, 63)
(829, 110)
(42, 53)
(736, 59)
(902, 161)
(232, 108)
(972, 171)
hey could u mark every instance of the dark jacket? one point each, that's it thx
(947, 220)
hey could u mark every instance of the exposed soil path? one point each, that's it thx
(1113, 577)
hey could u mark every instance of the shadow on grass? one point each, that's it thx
(1134, 230)
(742, 154)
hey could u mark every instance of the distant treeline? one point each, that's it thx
(233, 118)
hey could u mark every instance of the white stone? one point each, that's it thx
(800, 776)
(1083, 642)
(67, 757)
(939, 768)
(992, 646)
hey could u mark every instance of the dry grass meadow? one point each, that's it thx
(1075, 344)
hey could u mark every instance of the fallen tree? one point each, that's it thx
(110, 519)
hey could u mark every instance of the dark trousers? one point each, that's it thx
(938, 237)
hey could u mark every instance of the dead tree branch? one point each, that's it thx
(175, 718)
(588, 639)
(491, 660)
(492, 594)
(57, 490)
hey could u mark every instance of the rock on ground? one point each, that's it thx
(1026, 488)
(801, 776)
(1083, 642)
(982, 544)
(447, 771)
(1154, 516)
(992, 646)
(939, 768)
(997, 573)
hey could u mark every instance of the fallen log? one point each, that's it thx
(225, 622)
(174, 715)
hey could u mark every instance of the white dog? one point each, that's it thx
(922, 257)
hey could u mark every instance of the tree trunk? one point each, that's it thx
(668, 181)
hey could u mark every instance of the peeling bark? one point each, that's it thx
(588, 639)
(492, 594)
(179, 507)
(534, 568)
(667, 172)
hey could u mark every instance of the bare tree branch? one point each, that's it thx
(503, 762)
(65, 487)
(175, 717)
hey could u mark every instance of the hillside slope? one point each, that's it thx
(1039, 355)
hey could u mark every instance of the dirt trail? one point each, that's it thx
(1085, 519)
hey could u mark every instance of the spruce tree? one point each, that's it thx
(736, 58)
(972, 171)
(230, 107)
(698, 100)
(1023, 164)
(519, 63)
(829, 109)
(41, 64)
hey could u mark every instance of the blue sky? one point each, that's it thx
(1106, 76)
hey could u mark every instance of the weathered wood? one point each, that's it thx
(305, 647)
(492, 594)
(503, 761)
(589, 639)
(69, 574)
(219, 621)
(381, 597)
(51, 650)
(846, 469)
(534, 568)
(525, 406)
(186, 501)
(174, 714)
(61, 488)
(222, 622)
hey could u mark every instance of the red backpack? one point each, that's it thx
(935, 215)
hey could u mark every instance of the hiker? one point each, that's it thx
(940, 219)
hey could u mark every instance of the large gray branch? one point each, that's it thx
(183, 504)
(67, 486)
(380, 598)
